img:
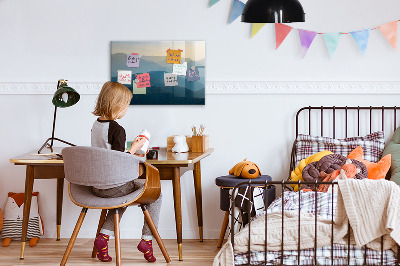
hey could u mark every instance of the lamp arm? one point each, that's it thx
(54, 126)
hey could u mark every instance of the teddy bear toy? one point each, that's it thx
(13, 215)
(245, 169)
(180, 144)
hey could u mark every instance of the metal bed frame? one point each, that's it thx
(283, 184)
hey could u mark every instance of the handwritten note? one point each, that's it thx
(180, 69)
(174, 56)
(125, 77)
(192, 74)
(144, 80)
(133, 60)
(170, 79)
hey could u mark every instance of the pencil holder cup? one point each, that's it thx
(200, 143)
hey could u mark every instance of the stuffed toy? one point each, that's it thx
(375, 170)
(180, 144)
(245, 169)
(13, 215)
(296, 174)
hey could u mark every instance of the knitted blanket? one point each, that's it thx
(371, 206)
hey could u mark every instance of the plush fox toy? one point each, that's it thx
(13, 215)
(245, 169)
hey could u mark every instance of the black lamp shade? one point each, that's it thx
(273, 11)
(65, 96)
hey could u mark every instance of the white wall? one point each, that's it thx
(42, 41)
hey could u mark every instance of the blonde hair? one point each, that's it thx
(112, 99)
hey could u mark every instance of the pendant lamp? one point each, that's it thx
(272, 11)
(64, 96)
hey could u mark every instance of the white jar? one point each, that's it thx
(144, 134)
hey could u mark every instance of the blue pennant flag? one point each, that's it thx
(361, 38)
(332, 41)
(237, 9)
(213, 2)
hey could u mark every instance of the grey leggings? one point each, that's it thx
(154, 208)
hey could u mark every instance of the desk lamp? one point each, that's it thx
(64, 96)
(272, 11)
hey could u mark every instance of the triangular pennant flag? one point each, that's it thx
(361, 37)
(306, 39)
(213, 2)
(389, 30)
(281, 31)
(237, 9)
(255, 28)
(332, 41)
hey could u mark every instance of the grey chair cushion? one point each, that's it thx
(99, 167)
(83, 196)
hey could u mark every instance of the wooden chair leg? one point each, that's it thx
(154, 230)
(117, 238)
(101, 222)
(73, 237)
(223, 229)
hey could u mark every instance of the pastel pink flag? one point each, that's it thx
(389, 30)
(281, 31)
(306, 39)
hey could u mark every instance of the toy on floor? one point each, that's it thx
(13, 215)
(245, 169)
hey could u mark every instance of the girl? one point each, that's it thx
(112, 104)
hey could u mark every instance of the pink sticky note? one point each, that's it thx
(144, 80)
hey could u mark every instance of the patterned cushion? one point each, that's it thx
(372, 144)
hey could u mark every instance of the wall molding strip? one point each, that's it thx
(231, 87)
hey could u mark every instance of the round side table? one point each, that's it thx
(228, 182)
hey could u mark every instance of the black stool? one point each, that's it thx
(226, 183)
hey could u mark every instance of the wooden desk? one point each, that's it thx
(171, 167)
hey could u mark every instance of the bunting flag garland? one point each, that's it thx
(281, 31)
(237, 9)
(361, 37)
(332, 41)
(213, 2)
(256, 27)
(389, 30)
(306, 39)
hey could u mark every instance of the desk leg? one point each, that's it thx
(176, 182)
(197, 189)
(60, 190)
(27, 206)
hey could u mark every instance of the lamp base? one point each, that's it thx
(50, 146)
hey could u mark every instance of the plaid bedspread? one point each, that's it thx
(307, 202)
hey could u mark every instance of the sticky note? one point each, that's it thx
(180, 69)
(144, 80)
(192, 74)
(125, 76)
(170, 79)
(133, 60)
(174, 56)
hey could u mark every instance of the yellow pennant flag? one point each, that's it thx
(255, 28)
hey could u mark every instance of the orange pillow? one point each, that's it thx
(375, 170)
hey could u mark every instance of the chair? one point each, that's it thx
(85, 167)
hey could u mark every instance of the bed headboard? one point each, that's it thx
(344, 121)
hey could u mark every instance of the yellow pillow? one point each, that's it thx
(296, 174)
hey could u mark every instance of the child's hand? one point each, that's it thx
(143, 155)
(137, 144)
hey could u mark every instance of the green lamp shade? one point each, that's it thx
(65, 96)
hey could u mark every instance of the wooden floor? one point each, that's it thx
(50, 252)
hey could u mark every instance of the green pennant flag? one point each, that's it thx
(213, 2)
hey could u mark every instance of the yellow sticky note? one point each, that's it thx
(174, 56)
